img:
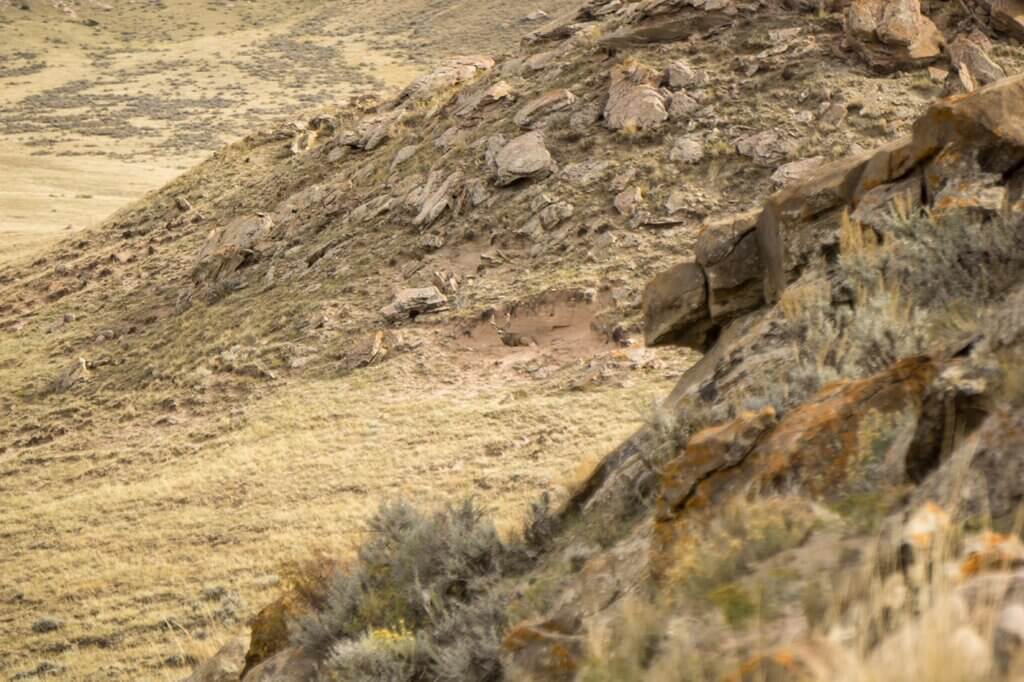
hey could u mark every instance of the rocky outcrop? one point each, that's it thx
(969, 56)
(853, 435)
(963, 156)
(893, 34)
(230, 248)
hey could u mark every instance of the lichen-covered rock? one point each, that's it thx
(634, 101)
(851, 438)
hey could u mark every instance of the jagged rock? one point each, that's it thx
(372, 131)
(674, 304)
(525, 157)
(970, 53)
(893, 34)
(409, 303)
(853, 435)
(229, 249)
(471, 103)
(1007, 16)
(709, 451)
(634, 101)
(676, 29)
(876, 206)
(728, 251)
(548, 103)
(682, 106)
(225, 666)
(438, 196)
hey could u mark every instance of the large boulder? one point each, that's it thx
(1007, 16)
(634, 100)
(728, 251)
(893, 34)
(230, 248)
(674, 304)
(525, 157)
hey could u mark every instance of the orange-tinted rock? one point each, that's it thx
(854, 436)
(710, 450)
(808, 660)
(550, 651)
(987, 121)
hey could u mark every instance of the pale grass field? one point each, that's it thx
(128, 555)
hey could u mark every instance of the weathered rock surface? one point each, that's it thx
(548, 103)
(893, 35)
(673, 302)
(409, 303)
(230, 248)
(634, 101)
(825, 448)
(525, 157)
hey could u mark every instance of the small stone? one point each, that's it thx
(628, 201)
(687, 150)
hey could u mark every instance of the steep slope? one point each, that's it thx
(429, 296)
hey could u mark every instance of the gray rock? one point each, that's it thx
(524, 157)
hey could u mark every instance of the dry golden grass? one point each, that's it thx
(120, 539)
